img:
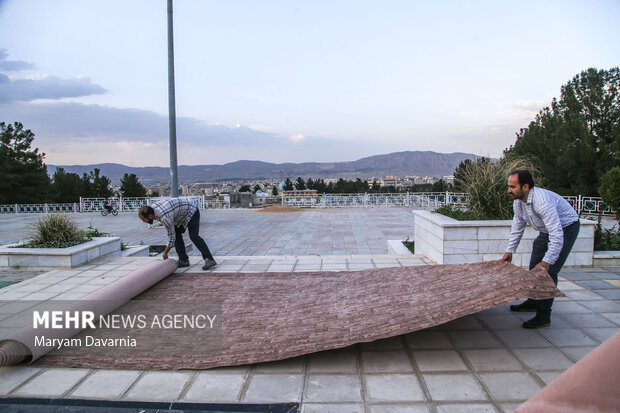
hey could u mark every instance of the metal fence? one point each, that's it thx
(583, 205)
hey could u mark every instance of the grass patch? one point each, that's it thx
(410, 245)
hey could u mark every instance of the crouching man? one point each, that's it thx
(558, 224)
(177, 215)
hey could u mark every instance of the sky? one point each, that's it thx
(290, 80)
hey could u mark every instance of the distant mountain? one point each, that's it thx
(399, 163)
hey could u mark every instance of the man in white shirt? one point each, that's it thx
(558, 224)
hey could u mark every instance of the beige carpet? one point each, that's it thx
(272, 316)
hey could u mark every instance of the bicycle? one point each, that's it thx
(109, 210)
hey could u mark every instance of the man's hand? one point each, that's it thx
(507, 257)
(544, 265)
(165, 254)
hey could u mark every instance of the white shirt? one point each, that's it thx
(546, 212)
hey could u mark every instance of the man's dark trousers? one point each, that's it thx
(539, 248)
(193, 228)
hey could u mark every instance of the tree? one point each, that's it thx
(577, 139)
(256, 188)
(23, 175)
(440, 186)
(131, 186)
(300, 185)
(100, 184)
(274, 190)
(288, 185)
(245, 188)
(375, 186)
(66, 187)
(610, 190)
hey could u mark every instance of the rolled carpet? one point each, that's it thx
(20, 346)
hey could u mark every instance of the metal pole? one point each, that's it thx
(174, 181)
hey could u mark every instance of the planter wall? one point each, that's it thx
(448, 241)
(41, 259)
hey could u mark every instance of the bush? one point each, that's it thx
(606, 239)
(486, 183)
(58, 231)
(610, 189)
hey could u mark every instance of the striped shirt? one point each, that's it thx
(546, 212)
(174, 212)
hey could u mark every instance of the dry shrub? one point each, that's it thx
(486, 183)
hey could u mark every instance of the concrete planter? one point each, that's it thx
(37, 259)
(135, 251)
(448, 241)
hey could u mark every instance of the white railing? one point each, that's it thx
(407, 199)
(583, 205)
(96, 205)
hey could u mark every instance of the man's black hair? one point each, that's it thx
(524, 176)
(146, 210)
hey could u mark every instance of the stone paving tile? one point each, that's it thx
(492, 360)
(454, 387)
(440, 360)
(51, 383)
(392, 343)
(509, 407)
(587, 320)
(428, 340)
(274, 388)
(215, 387)
(11, 377)
(333, 388)
(393, 388)
(543, 359)
(567, 337)
(577, 353)
(386, 362)
(603, 333)
(332, 408)
(474, 339)
(292, 365)
(334, 361)
(548, 376)
(399, 408)
(159, 385)
(510, 386)
(466, 408)
(106, 384)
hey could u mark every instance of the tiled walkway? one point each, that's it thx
(485, 362)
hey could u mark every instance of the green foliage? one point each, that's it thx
(577, 139)
(274, 190)
(56, 231)
(606, 240)
(486, 184)
(23, 175)
(458, 213)
(288, 185)
(441, 186)
(375, 186)
(256, 188)
(69, 187)
(410, 245)
(610, 189)
(300, 185)
(131, 186)
(245, 188)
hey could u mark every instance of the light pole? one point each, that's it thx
(172, 121)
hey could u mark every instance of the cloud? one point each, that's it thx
(13, 65)
(296, 138)
(94, 133)
(45, 87)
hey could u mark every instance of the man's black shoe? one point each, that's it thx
(182, 263)
(538, 321)
(209, 264)
(525, 306)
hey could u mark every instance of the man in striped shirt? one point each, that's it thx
(177, 215)
(558, 224)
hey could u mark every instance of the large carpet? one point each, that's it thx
(273, 316)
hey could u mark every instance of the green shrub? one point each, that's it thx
(59, 231)
(486, 184)
(410, 245)
(606, 239)
(610, 189)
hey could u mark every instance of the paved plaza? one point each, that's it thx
(485, 362)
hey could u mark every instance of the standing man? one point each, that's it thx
(177, 215)
(558, 224)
